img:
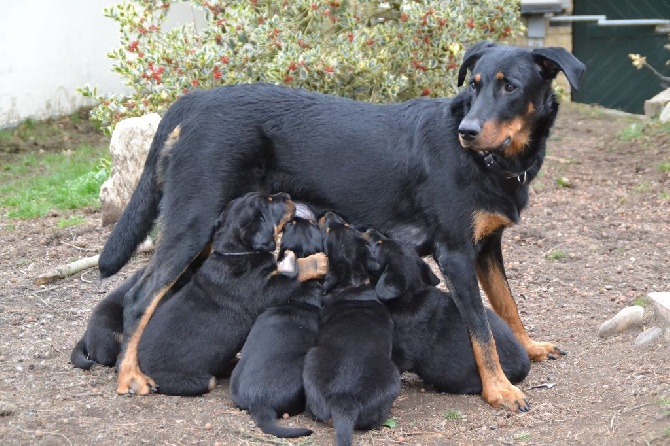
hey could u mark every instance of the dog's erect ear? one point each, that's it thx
(390, 285)
(427, 274)
(555, 59)
(471, 57)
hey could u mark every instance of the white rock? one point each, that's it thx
(648, 337)
(629, 317)
(129, 146)
(654, 106)
(661, 307)
(665, 114)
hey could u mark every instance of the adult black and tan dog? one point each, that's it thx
(349, 376)
(429, 335)
(191, 337)
(446, 175)
(267, 381)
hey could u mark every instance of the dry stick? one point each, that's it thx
(79, 265)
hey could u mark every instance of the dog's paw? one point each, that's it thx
(314, 266)
(506, 395)
(288, 265)
(541, 351)
(131, 381)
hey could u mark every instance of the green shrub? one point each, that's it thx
(368, 50)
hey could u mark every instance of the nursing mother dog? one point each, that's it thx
(445, 175)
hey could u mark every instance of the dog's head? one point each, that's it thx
(301, 236)
(253, 222)
(402, 270)
(350, 263)
(509, 90)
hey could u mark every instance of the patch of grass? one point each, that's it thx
(9, 227)
(664, 166)
(522, 436)
(563, 182)
(72, 220)
(664, 195)
(556, 254)
(642, 187)
(391, 423)
(453, 415)
(641, 301)
(632, 132)
(36, 183)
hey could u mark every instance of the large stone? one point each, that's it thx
(629, 317)
(129, 146)
(648, 337)
(654, 106)
(661, 302)
(665, 114)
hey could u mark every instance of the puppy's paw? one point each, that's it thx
(288, 265)
(312, 267)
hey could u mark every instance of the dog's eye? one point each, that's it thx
(473, 85)
(509, 87)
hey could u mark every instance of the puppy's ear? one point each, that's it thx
(390, 285)
(427, 275)
(471, 57)
(554, 59)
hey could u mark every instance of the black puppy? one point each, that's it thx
(102, 340)
(349, 376)
(267, 381)
(194, 335)
(430, 337)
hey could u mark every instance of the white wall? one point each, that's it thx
(48, 48)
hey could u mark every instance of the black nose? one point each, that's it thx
(469, 129)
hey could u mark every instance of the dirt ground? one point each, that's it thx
(581, 254)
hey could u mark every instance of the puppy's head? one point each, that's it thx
(301, 236)
(350, 263)
(402, 271)
(253, 222)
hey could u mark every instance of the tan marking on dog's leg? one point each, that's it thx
(314, 266)
(486, 223)
(212, 383)
(131, 379)
(497, 290)
(496, 388)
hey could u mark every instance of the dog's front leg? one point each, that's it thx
(458, 270)
(491, 273)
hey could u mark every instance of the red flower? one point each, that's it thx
(225, 59)
(194, 82)
(133, 46)
(425, 91)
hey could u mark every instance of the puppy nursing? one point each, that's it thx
(334, 347)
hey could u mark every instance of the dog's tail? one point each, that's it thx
(344, 415)
(79, 356)
(141, 212)
(266, 419)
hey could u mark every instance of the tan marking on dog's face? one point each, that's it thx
(287, 217)
(172, 139)
(500, 75)
(531, 108)
(486, 223)
(494, 134)
(478, 77)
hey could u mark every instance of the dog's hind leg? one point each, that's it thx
(266, 419)
(491, 274)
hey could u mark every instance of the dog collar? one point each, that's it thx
(494, 165)
(243, 253)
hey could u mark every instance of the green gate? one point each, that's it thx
(610, 79)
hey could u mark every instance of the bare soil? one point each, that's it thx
(581, 254)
